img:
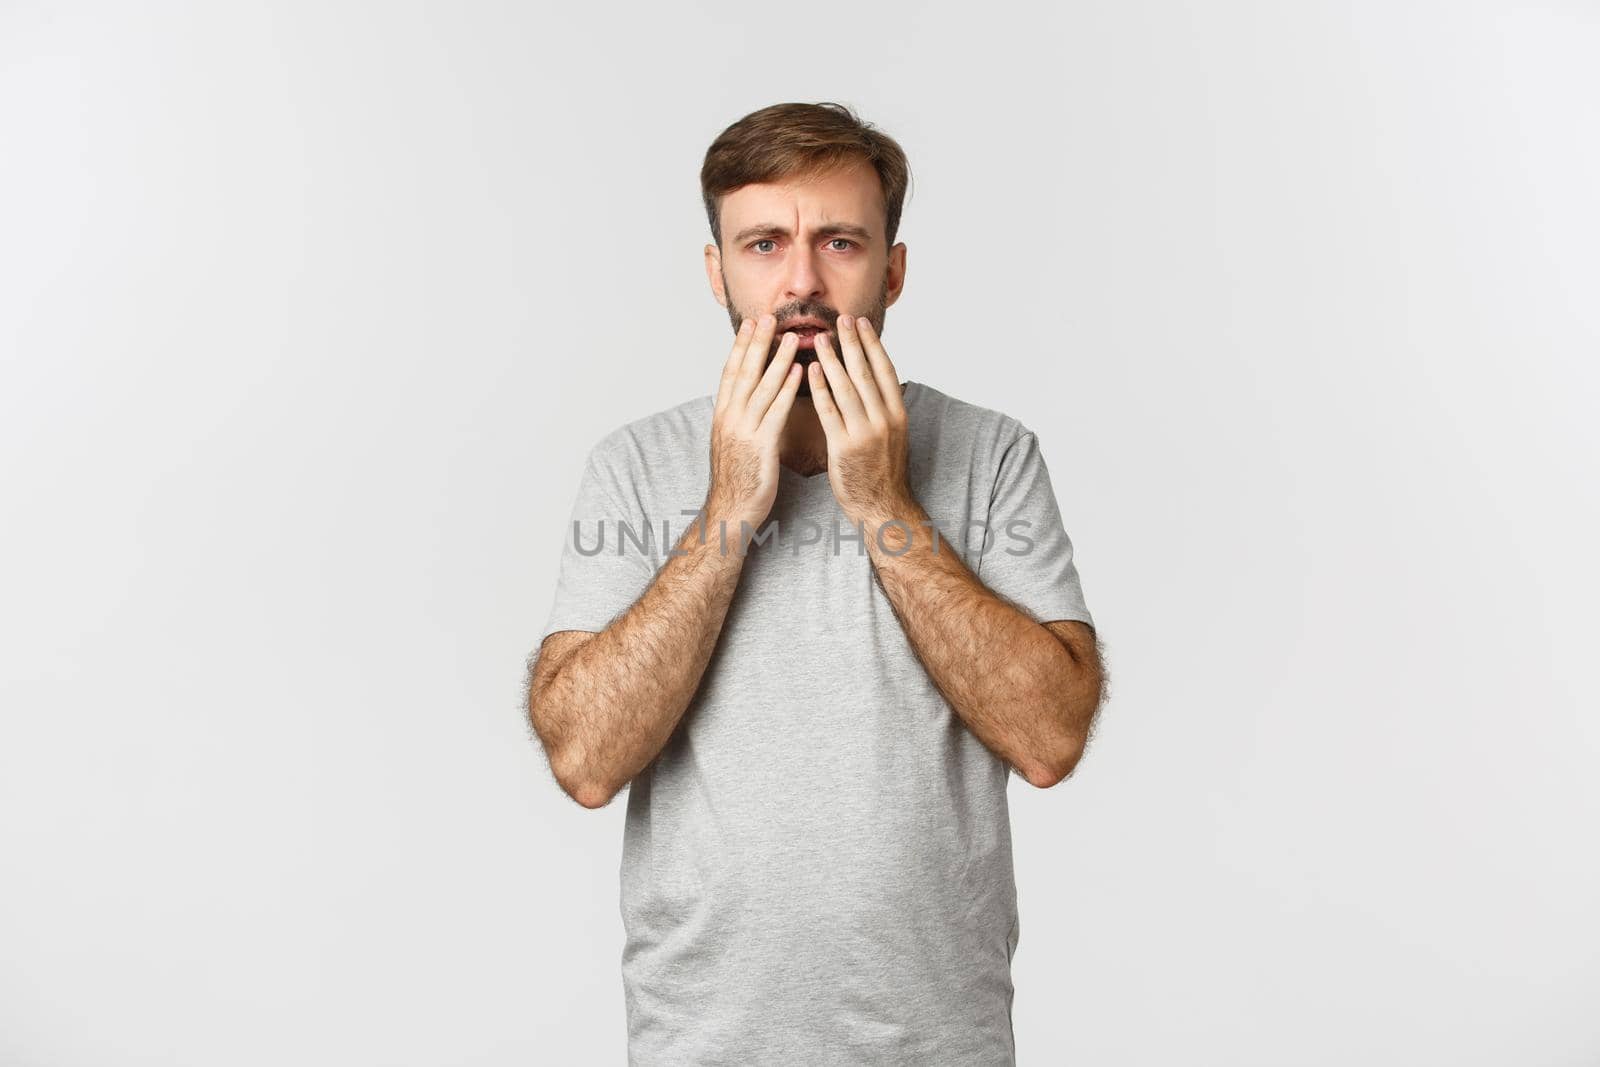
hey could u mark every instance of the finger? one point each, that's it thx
(883, 371)
(822, 400)
(844, 393)
(855, 361)
(730, 369)
(774, 378)
(755, 356)
(778, 414)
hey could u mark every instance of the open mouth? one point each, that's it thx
(806, 335)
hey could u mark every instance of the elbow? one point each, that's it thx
(587, 790)
(592, 797)
(588, 793)
(1051, 771)
(570, 767)
(1059, 754)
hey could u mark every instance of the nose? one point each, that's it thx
(804, 280)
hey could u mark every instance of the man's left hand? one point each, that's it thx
(859, 404)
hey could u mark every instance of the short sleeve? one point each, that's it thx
(1028, 558)
(606, 561)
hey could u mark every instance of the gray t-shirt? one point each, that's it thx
(817, 868)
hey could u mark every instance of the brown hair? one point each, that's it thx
(783, 140)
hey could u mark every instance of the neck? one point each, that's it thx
(804, 446)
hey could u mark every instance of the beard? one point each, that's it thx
(806, 355)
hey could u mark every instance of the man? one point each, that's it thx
(818, 690)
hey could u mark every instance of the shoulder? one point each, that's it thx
(662, 444)
(951, 424)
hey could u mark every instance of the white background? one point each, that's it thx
(310, 312)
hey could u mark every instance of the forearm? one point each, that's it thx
(1024, 694)
(614, 702)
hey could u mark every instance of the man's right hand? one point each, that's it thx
(747, 423)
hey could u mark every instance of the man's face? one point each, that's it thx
(807, 250)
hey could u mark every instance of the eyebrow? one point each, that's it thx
(832, 229)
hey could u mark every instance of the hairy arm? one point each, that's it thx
(1029, 691)
(604, 704)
